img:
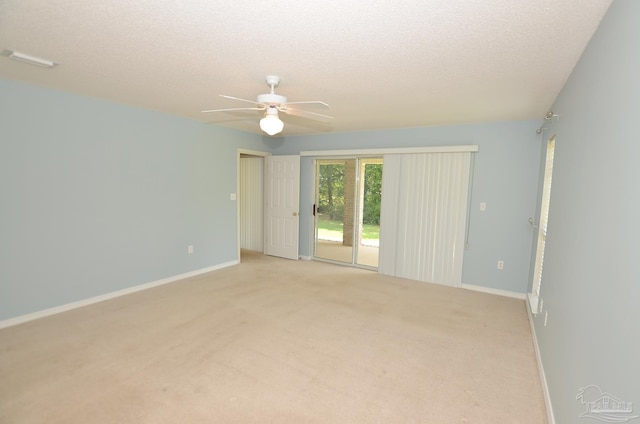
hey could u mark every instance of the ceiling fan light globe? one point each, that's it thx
(271, 124)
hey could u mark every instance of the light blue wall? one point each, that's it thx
(98, 197)
(505, 176)
(591, 278)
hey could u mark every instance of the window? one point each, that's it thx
(542, 226)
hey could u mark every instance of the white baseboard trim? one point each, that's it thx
(543, 378)
(85, 302)
(494, 291)
(306, 258)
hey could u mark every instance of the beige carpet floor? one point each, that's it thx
(277, 341)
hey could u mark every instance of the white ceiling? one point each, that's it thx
(379, 64)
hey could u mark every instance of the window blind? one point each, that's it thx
(544, 217)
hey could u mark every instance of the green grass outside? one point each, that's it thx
(328, 229)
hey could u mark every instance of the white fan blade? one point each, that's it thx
(310, 102)
(239, 99)
(235, 108)
(303, 113)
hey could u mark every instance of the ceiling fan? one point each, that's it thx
(273, 103)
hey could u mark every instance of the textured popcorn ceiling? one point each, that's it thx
(379, 64)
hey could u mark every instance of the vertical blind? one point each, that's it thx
(423, 216)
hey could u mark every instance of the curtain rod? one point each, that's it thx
(550, 115)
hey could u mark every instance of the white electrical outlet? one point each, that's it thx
(500, 264)
(232, 196)
(483, 206)
(190, 249)
(546, 315)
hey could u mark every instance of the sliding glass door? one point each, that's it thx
(347, 210)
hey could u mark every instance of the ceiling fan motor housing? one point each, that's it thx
(271, 99)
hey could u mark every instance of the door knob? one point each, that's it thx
(295, 214)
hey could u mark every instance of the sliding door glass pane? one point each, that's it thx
(348, 202)
(334, 209)
(369, 216)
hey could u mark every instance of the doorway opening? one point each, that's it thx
(250, 201)
(347, 210)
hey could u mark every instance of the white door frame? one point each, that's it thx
(240, 153)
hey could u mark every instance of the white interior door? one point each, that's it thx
(282, 201)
